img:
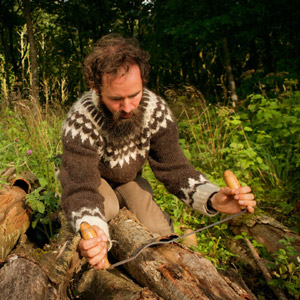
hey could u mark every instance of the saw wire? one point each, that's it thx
(138, 251)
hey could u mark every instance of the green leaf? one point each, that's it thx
(40, 207)
(235, 122)
(43, 182)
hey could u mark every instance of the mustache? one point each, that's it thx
(121, 124)
(123, 116)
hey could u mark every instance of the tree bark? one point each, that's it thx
(111, 284)
(172, 271)
(14, 218)
(232, 86)
(33, 52)
(265, 230)
(41, 274)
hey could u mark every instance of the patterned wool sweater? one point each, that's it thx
(90, 153)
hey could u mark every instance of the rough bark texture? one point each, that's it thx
(14, 218)
(111, 284)
(23, 279)
(55, 266)
(33, 52)
(162, 272)
(14, 214)
(265, 230)
(228, 69)
(172, 271)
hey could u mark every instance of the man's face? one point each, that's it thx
(122, 94)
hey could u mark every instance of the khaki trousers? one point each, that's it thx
(136, 196)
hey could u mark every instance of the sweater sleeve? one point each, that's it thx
(172, 168)
(80, 178)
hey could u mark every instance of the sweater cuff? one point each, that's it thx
(203, 193)
(209, 205)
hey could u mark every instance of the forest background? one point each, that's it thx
(228, 69)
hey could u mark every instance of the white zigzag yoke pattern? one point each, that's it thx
(86, 122)
(91, 152)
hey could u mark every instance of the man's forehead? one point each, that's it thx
(107, 78)
(121, 75)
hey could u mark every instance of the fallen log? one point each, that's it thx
(172, 271)
(264, 229)
(14, 218)
(41, 273)
(46, 274)
(269, 232)
(165, 272)
(111, 284)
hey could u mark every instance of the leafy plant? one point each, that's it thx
(29, 140)
(43, 202)
(259, 142)
(286, 268)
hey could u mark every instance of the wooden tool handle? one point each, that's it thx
(88, 232)
(231, 181)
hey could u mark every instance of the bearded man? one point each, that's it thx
(107, 137)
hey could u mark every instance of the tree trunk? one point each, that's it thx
(228, 68)
(172, 271)
(33, 52)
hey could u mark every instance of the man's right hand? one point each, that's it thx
(95, 250)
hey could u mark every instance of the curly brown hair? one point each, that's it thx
(110, 53)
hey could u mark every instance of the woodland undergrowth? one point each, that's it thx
(259, 141)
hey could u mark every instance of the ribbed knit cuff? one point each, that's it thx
(201, 196)
(209, 205)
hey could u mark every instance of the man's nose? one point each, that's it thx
(126, 105)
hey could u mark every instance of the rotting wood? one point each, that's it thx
(172, 271)
(55, 266)
(264, 229)
(23, 279)
(14, 218)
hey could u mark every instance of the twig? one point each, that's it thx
(265, 271)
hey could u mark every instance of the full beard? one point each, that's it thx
(117, 126)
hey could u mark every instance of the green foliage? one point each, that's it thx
(259, 142)
(29, 139)
(184, 38)
(43, 203)
(286, 268)
(212, 244)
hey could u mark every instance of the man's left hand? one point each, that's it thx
(229, 201)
